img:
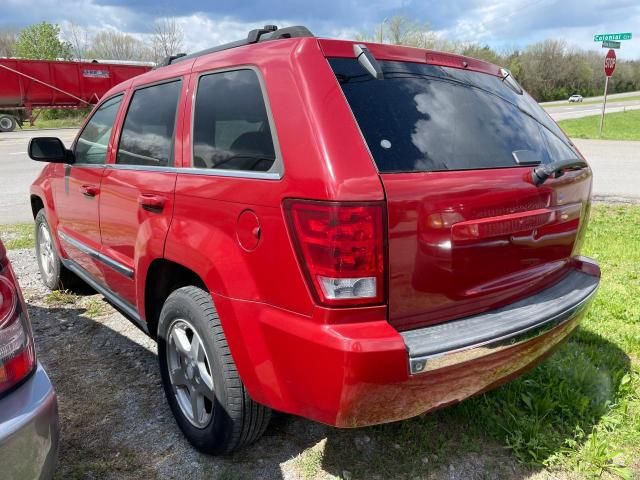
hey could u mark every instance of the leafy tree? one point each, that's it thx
(482, 52)
(42, 41)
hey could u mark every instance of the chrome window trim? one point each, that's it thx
(108, 261)
(276, 172)
(86, 165)
(141, 168)
(231, 173)
(198, 171)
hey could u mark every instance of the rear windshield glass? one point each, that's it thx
(428, 118)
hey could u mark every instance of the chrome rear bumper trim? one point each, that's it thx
(422, 362)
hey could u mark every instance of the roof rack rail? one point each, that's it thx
(169, 60)
(268, 32)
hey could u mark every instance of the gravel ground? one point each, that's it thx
(116, 423)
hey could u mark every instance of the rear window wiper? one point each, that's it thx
(555, 169)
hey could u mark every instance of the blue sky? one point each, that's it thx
(210, 22)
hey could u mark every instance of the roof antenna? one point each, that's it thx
(368, 61)
(254, 35)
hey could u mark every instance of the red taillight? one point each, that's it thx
(17, 353)
(341, 249)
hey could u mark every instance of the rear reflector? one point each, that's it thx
(340, 247)
(17, 352)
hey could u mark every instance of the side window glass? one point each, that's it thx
(92, 144)
(147, 133)
(231, 127)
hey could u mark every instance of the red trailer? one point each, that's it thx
(29, 84)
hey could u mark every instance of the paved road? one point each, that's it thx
(17, 172)
(616, 167)
(578, 110)
(594, 99)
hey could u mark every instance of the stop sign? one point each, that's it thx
(610, 63)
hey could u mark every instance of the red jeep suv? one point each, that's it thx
(354, 233)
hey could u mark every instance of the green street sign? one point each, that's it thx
(610, 44)
(612, 36)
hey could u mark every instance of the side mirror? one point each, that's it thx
(49, 149)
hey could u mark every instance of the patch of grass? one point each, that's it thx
(617, 126)
(41, 123)
(16, 236)
(309, 462)
(60, 297)
(95, 307)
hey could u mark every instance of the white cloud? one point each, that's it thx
(521, 22)
(202, 31)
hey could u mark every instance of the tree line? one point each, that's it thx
(50, 41)
(548, 70)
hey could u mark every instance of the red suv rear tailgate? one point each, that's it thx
(467, 241)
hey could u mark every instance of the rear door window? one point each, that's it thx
(148, 130)
(231, 128)
(429, 118)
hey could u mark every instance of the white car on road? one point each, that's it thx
(575, 98)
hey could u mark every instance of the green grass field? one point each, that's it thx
(19, 235)
(72, 122)
(617, 126)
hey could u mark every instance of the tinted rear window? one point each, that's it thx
(231, 127)
(429, 118)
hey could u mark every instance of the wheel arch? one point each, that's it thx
(163, 277)
(37, 204)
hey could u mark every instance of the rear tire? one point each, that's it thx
(7, 123)
(54, 274)
(193, 355)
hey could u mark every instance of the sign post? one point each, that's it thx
(609, 67)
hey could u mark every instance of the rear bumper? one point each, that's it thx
(439, 346)
(357, 374)
(29, 432)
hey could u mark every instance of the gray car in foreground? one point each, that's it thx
(29, 432)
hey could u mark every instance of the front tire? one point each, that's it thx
(200, 379)
(54, 274)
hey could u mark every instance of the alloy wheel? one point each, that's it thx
(45, 244)
(190, 373)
